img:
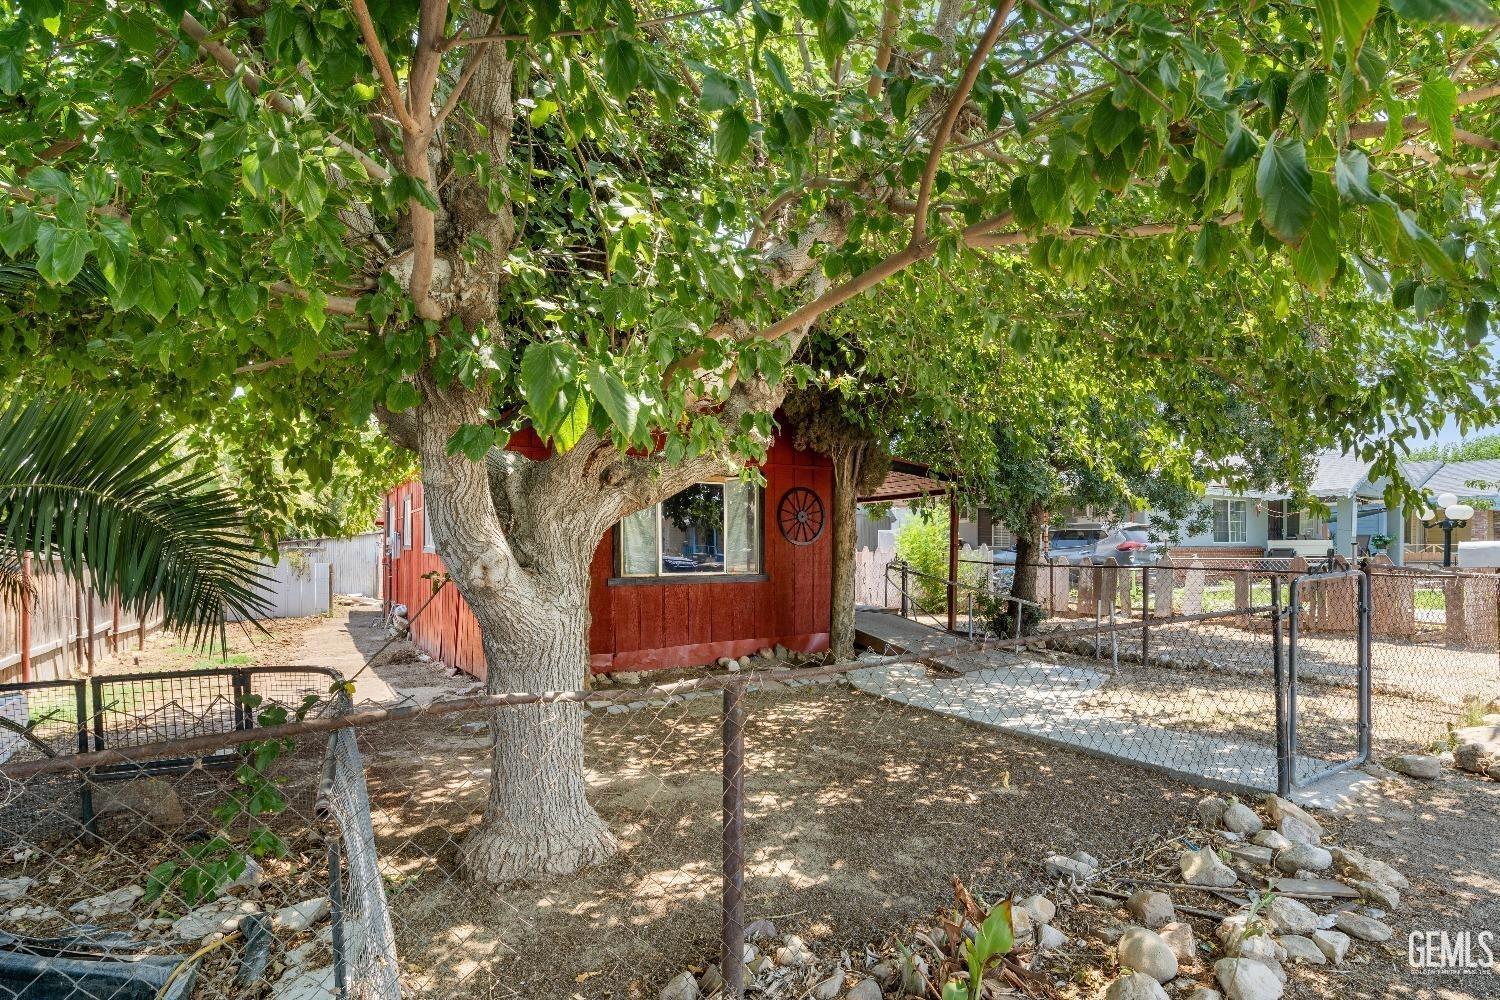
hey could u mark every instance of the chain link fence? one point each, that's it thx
(237, 834)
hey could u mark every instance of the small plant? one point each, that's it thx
(202, 871)
(991, 940)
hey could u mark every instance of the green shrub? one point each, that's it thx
(923, 542)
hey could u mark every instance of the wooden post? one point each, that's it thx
(952, 562)
(114, 622)
(25, 617)
(89, 642)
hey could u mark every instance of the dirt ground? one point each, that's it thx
(860, 812)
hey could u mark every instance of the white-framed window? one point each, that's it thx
(427, 545)
(392, 535)
(707, 529)
(406, 523)
(1231, 519)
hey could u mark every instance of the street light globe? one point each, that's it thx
(1425, 514)
(1459, 512)
(1446, 500)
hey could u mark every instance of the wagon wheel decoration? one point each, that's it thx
(800, 516)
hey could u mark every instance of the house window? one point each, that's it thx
(427, 545)
(708, 528)
(406, 523)
(1230, 518)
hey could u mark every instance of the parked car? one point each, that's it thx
(1130, 544)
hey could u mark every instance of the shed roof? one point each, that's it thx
(908, 480)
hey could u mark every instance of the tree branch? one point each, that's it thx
(260, 366)
(890, 18)
(382, 64)
(950, 116)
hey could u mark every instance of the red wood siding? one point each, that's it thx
(648, 625)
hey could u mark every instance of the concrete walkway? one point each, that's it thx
(1043, 700)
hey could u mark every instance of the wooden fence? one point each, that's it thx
(66, 628)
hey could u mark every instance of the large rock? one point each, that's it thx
(1289, 916)
(1304, 857)
(1272, 839)
(865, 989)
(1038, 907)
(1136, 986)
(1245, 936)
(1179, 937)
(1475, 758)
(1368, 869)
(681, 987)
(1150, 907)
(308, 984)
(1360, 926)
(1243, 979)
(1241, 819)
(1301, 949)
(1145, 951)
(299, 917)
(1416, 765)
(1211, 811)
(1333, 944)
(793, 952)
(1486, 737)
(1295, 824)
(1204, 868)
(829, 988)
(215, 918)
(1385, 896)
(138, 807)
(1252, 854)
(15, 888)
(109, 904)
(1069, 868)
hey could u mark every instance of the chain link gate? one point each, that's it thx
(1324, 691)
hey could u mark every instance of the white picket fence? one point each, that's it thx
(869, 578)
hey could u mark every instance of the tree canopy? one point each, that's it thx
(252, 201)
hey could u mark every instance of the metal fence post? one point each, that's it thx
(732, 952)
(905, 589)
(1366, 720)
(336, 915)
(1278, 670)
(1145, 615)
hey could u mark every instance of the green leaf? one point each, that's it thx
(244, 301)
(19, 233)
(1475, 13)
(548, 382)
(542, 112)
(1476, 324)
(731, 135)
(1316, 259)
(473, 440)
(1284, 185)
(402, 396)
(1437, 103)
(719, 91)
(1240, 147)
(1308, 99)
(50, 182)
(622, 406)
(777, 71)
(622, 66)
(1352, 173)
(572, 427)
(1109, 125)
(60, 252)
(1346, 19)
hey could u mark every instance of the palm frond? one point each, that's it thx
(104, 494)
(14, 587)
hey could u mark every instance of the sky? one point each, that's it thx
(1449, 434)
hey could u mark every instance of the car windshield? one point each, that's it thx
(1074, 536)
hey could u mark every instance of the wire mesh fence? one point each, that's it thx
(251, 833)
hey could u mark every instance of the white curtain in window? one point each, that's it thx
(741, 527)
(638, 543)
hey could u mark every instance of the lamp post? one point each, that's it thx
(1453, 515)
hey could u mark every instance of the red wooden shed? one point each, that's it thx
(721, 569)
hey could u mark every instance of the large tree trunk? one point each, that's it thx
(1028, 559)
(538, 820)
(846, 463)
